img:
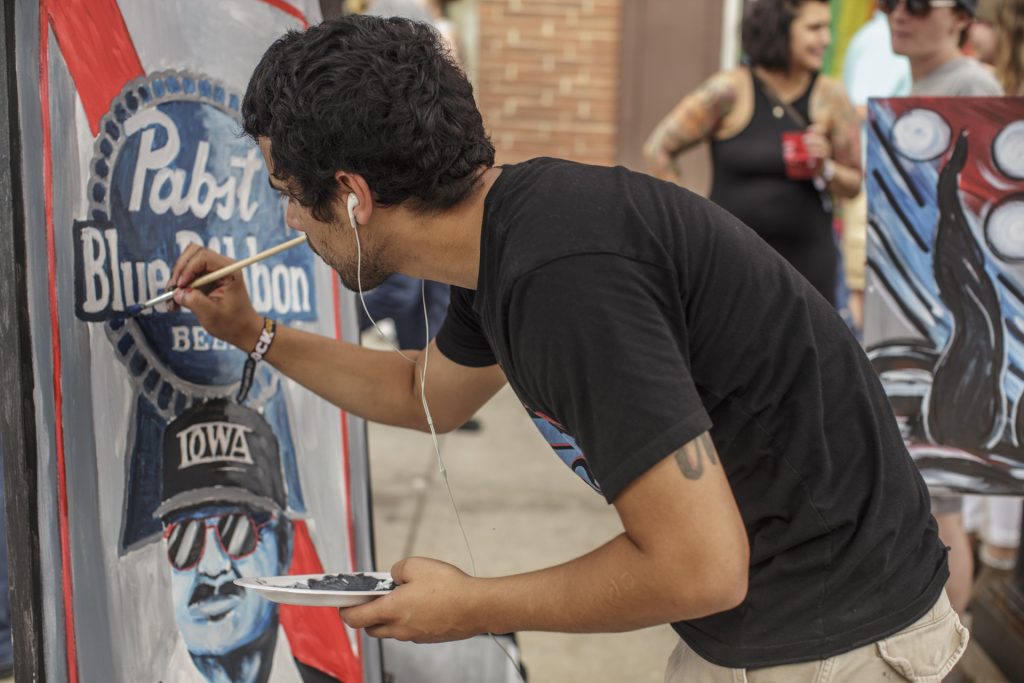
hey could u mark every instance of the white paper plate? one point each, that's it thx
(283, 589)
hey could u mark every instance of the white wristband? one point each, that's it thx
(828, 170)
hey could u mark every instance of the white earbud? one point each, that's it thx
(353, 202)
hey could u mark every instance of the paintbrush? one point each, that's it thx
(216, 275)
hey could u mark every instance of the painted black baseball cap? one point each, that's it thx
(221, 453)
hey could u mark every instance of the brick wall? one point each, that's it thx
(546, 78)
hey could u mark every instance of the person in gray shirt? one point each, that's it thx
(964, 76)
(930, 33)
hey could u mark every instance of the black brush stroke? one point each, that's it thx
(891, 198)
(1011, 287)
(898, 263)
(1014, 331)
(925, 332)
(1014, 370)
(894, 158)
(965, 404)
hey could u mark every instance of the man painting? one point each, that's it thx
(770, 510)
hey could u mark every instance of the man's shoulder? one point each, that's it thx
(550, 181)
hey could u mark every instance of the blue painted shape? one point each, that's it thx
(276, 414)
(566, 448)
(143, 489)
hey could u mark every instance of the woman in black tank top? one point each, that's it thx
(791, 215)
(744, 114)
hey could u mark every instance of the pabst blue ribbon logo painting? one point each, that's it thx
(172, 168)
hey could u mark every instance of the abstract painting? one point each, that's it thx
(945, 311)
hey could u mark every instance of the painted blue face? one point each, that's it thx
(213, 614)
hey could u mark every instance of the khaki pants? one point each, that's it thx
(923, 652)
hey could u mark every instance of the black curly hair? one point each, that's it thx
(376, 96)
(765, 32)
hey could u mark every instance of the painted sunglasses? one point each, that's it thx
(237, 533)
(915, 8)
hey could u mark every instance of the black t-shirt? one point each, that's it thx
(630, 316)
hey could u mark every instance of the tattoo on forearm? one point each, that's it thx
(693, 119)
(691, 457)
(830, 103)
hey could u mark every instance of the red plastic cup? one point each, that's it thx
(799, 165)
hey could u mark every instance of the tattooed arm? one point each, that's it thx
(694, 119)
(837, 125)
(684, 554)
(694, 456)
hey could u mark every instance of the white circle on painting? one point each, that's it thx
(1008, 150)
(920, 134)
(1004, 229)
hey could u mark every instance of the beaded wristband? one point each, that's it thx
(255, 356)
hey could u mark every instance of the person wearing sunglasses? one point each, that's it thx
(223, 516)
(931, 33)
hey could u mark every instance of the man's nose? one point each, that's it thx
(214, 560)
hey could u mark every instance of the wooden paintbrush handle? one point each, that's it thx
(238, 265)
(217, 274)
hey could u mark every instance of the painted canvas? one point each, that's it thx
(945, 309)
(159, 484)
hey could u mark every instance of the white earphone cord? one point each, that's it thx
(423, 399)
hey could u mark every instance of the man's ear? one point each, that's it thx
(354, 183)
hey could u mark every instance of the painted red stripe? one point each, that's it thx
(98, 50)
(58, 397)
(290, 9)
(316, 635)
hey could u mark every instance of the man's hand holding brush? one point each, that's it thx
(381, 386)
(225, 311)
